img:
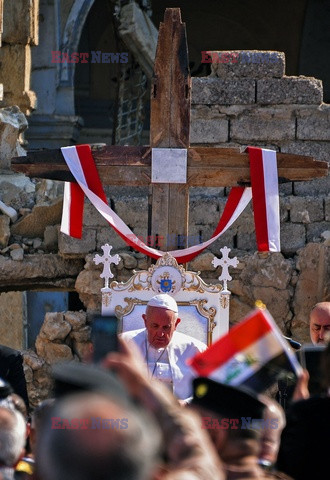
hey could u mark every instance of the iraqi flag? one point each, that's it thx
(253, 353)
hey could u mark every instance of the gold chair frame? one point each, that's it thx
(188, 289)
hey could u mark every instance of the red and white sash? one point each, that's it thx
(81, 164)
(265, 198)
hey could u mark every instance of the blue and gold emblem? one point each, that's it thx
(165, 285)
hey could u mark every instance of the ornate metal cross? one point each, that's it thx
(225, 262)
(107, 260)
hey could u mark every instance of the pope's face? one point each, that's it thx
(319, 325)
(160, 324)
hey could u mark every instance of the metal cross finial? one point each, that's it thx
(225, 262)
(106, 259)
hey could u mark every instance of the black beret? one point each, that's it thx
(72, 377)
(226, 400)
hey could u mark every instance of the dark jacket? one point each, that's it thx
(304, 450)
(11, 370)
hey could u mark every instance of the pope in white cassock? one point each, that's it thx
(165, 350)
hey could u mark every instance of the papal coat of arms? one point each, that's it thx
(165, 285)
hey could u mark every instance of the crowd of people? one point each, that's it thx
(142, 415)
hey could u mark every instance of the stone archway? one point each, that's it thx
(70, 41)
(95, 83)
(55, 124)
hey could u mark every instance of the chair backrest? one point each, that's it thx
(203, 308)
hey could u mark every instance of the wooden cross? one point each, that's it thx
(169, 128)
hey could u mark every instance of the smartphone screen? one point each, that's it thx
(310, 359)
(104, 336)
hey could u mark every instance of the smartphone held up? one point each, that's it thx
(310, 357)
(104, 336)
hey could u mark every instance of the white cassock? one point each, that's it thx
(169, 364)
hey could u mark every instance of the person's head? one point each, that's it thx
(274, 417)
(19, 405)
(319, 324)
(118, 443)
(12, 436)
(161, 320)
(233, 417)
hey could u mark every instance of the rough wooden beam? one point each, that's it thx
(207, 166)
(170, 122)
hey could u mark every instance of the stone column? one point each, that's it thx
(20, 32)
(54, 123)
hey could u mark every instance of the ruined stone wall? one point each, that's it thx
(12, 314)
(19, 32)
(250, 103)
(238, 105)
(62, 337)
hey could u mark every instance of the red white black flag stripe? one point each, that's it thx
(253, 353)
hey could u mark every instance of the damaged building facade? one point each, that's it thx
(47, 104)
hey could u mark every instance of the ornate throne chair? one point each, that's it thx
(203, 308)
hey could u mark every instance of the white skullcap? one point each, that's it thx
(163, 301)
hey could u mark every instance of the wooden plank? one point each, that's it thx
(219, 156)
(178, 224)
(179, 121)
(160, 105)
(37, 163)
(178, 202)
(216, 166)
(159, 208)
(170, 122)
(112, 163)
(107, 155)
(198, 176)
(141, 155)
(207, 166)
(110, 175)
